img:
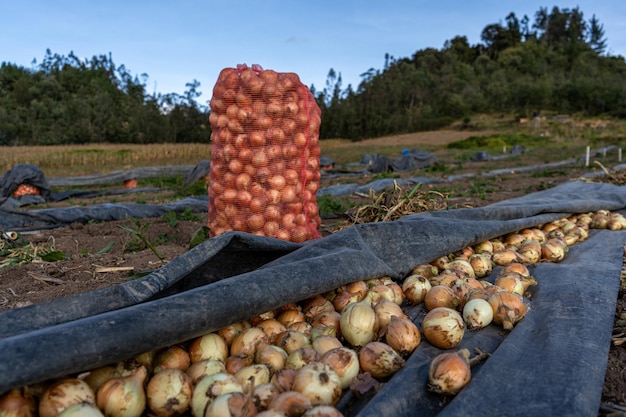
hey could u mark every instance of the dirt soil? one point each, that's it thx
(89, 265)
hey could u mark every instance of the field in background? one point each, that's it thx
(550, 140)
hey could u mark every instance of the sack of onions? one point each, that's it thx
(265, 169)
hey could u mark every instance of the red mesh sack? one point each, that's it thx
(265, 169)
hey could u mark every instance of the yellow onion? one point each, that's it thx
(291, 403)
(300, 357)
(441, 296)
(514, 241)
(209, 346)
(234, 363)
(443, 327)
(263, 395)
(200, 369)
(484, 247)
(481, 264)
(98, 376)
(516, 267)
(356, 287)
(385, 310)
(425, 270)
(272, 356)
(511, 282)
(174, 357)
(253, 375)
(288, 317)
(211, 387)
(319, 383)
(441, 263)
(123, 396)
(324, 343)
(446, 277)
(554, 250)
(229, 332)
(531, 250)
(343, 298)
(477, 313)
(146, 359)
(232, 404)
(449, 372)
(17, 403)
(415, 288)
(464, 266)
(507, 256)
(292, 340)
(327, 319)
(283, 379)
(402, 335)
(359, 323)
(380, 359)
(247, 341)
(271, 327)
(380, 292)
(508, 308)
(303, 327)
(168, 393)
(345, 362)
(64, 393)
(80, 410)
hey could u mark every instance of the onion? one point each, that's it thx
(508, 308)
(441, 296)
(415, 288)
(202, 368)
(477, 313)
(274, 357)
(263, 395)
(449, 372)
(359, 323)
(123, 396)
(380, 359)
(252, 375)
(247, 341)
(232, 404)
(174, 357)
(17, 403)
(290, 403)
(209, 388)
(443, 327)
(385, 310)
(345, 363)
(319, 383)
(168, 393)
(209, 346)
(63, 394)
(402, 335)
(300, 357)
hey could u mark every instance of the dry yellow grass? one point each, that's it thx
(73, 160)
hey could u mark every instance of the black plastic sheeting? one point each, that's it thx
(552, 363)
(409, 161)
(12, 219)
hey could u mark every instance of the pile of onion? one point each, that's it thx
(265, 168)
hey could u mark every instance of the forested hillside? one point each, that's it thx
(558, 61)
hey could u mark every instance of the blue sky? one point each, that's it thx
(175, 42)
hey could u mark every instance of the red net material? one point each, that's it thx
(265, 155)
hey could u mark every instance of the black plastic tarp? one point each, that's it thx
(552, 363)
(409, 161)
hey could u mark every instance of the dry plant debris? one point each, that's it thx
(398, 202)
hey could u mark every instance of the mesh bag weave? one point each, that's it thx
(265, 169)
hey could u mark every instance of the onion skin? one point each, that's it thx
(449, 372)
(319, 383)
(123, 396)
(477, 313)
(403, 335)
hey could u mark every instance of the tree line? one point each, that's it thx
(557, 62)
